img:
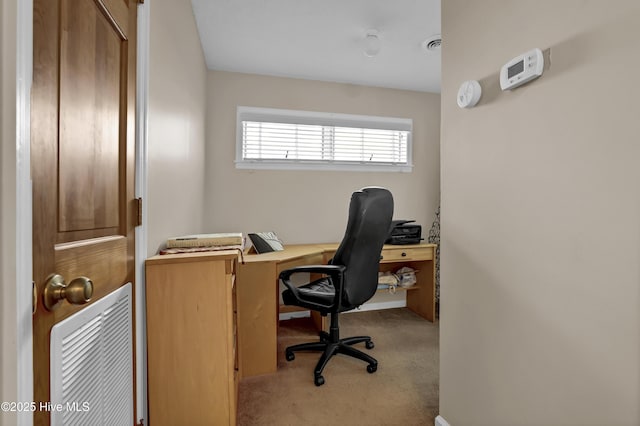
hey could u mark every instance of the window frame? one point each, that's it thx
(274, 115)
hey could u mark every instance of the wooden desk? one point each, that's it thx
(258, 294)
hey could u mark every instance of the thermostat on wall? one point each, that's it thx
(521, 69)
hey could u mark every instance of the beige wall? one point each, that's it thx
(311, 206)
(540, 281)
(8, 315)
(176, 132)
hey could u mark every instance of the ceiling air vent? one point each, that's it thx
(433, 43)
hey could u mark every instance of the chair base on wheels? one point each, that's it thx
(330, 344)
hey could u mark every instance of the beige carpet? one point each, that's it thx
(404, 390)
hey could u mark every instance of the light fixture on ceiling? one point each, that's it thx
(433, 43)
(371, 43)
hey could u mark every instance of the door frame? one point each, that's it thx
(24, 248)
(24, 271)
(142, 121)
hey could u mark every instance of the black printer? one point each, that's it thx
(403, 232)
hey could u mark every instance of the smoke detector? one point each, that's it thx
(372, 43)
(433, 43)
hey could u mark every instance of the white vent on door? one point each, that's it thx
(92, 364)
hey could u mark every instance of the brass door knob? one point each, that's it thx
(77, 292)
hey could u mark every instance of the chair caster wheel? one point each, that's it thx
(318, 380)
(290, 356)
(369, 345)
(372, 368)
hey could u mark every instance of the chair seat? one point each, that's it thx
(319, 291)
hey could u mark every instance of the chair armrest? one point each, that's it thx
(334, 271)
(331, 270)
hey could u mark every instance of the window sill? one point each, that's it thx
(309, 166)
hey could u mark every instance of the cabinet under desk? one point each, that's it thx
(192, 364)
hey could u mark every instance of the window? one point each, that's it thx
(283, 139)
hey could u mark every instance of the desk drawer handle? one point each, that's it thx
(381, 257)
(404, 254)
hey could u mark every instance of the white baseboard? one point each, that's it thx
(366, 307)
(380, 305)
(290, 315)
(440, 421)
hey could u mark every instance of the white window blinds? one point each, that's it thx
(269, 138)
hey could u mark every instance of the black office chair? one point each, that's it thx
(350, 279)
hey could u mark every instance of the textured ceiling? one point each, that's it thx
(323, 40)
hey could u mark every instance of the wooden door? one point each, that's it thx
(82, 156)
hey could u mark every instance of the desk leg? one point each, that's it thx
(257, 319)
(422, 299)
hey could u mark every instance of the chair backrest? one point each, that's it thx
(370, 214)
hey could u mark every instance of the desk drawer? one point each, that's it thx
(406, 253)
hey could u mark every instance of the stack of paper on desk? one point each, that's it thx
(206, 240)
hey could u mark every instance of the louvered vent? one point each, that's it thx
(433, 43)
(92, 364)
